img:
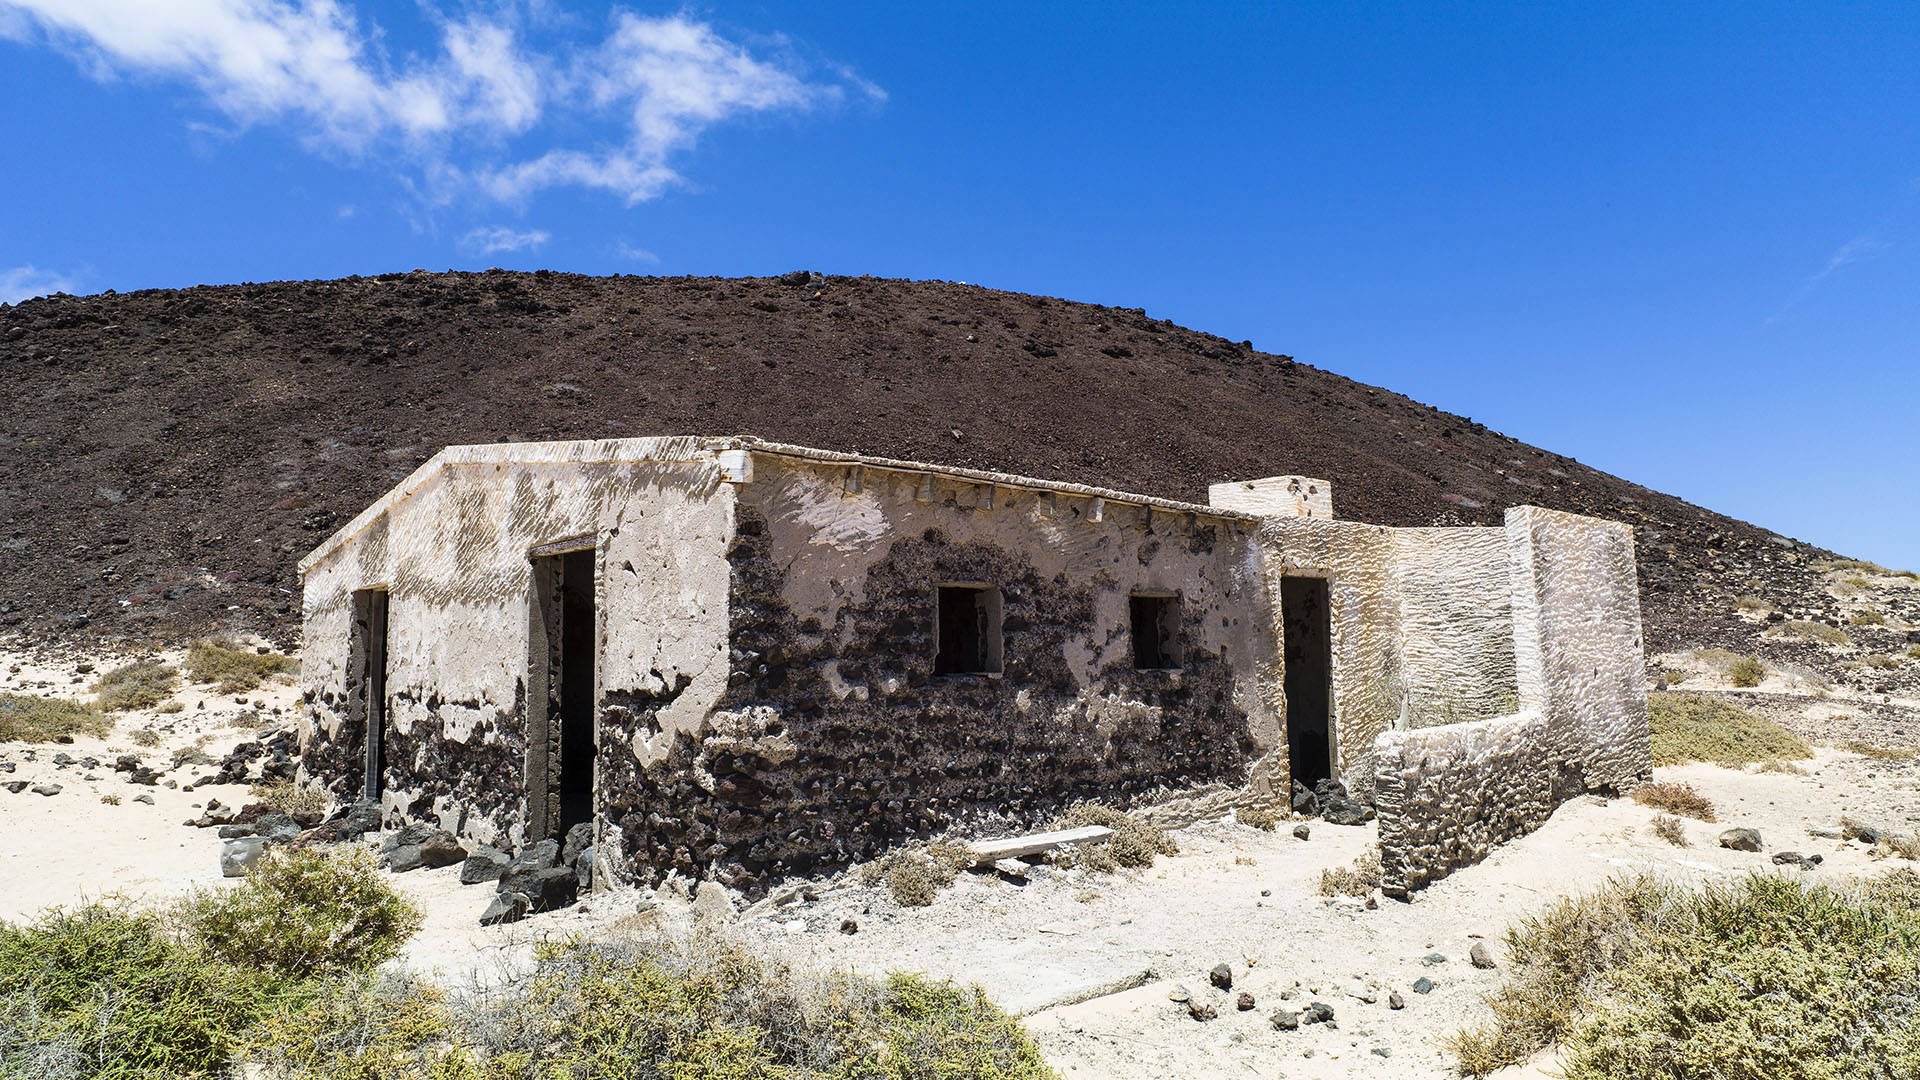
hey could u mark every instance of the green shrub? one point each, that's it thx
(304, 913)
(233, 670)
(1695, 727)
(1807, 630)
(1675, 798)
(369, 1027)
(107, 991)
(1747, 672)
(1763, 977)
(27, 718)
(139, 685)
(1134, 842)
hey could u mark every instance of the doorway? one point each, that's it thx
(1306, 619)
(367, 677)
(561, 692)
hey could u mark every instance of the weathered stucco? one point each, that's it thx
(765, 698)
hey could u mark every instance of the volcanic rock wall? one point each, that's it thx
(1446, 795)
(835, 737)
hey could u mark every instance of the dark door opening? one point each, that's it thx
(1156, 631)
(367, 678)
(561, 690)
(1307, 623)
(967, 637)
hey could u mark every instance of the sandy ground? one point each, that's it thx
(1233, 895)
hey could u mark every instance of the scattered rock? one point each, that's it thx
(578, 839)
(1301, 832)
(1423, 985)
(848, 926)
(1480, 957)
(15, 786)
(1395, 1001)
(1244, 1002)
(1785, 858)
(234, 832)
(711, 900)
(506, 907)
(239, 857)
(1201, 1011)
(554, 888)
(1432, 959)
(46, 789)
(1338, 807)
(1382, 1051)
(1741, 839)
(143, 797)
(1221, 976)
(442, 848)
(1285, 1020)
(1318, 1013)
(404, 858)
(484, 864)
(1180, 994)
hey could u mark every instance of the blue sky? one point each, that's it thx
(1681, 243)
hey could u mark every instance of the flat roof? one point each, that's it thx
(697, 448)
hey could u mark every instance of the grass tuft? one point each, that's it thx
(1764, 976)
(142, 684)
(1695, 727)
(1672, 830)
(1675, 798)
(26, 718)
(1751, 603)
(233, 670)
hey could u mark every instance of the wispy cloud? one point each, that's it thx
(318, 66)
(24, 282)
(634, 254)
(493, 239)
(1859, 249)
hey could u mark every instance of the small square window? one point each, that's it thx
(967, 637)
(1156, 631)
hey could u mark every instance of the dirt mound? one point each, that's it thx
(167, 456)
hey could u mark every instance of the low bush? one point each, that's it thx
(1914, 653)
(1807, 630)
(306, 912)
(1879, 662)
(1257, 817)
(1672, 830)
(1134, 843)
(1360, 879)
(1751, 603)
(1766, 976)
(915, 875)
(1696, 727)
(646, 1011)
(1747, 672)
(145, 736)
(1675, 798)
(1867, 618)
(233, 670)
(303, 804)
(26, 718)
(139, 685)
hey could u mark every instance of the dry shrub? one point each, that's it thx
(145, 736)
(1881, 753)
(1879, 662)
(110, 799)
(142, 684)
(1675, 798)
(233, 670)
(1134, 843)
(1751, 603)
(1766, 976)
(1914, 653)
(1360, 879)
(915, 875)
(298, 803)
(1673, 678)
(26, 718)
(1747, 672)
(1905, 846)
(1696, 727)
(1671, 829)
(1867, 618)
(1257, 817)
(1807, 630)
(1777, 766)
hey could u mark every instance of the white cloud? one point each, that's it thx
(25, 282)
(493, 239)
(1859, 249)
(628, 251)
(317, 65)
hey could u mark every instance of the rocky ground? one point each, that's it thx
(1109, 968)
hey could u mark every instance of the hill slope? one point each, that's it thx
(168, 455)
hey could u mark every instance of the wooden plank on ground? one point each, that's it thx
(1014, 847)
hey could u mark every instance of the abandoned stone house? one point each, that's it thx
(741, 659)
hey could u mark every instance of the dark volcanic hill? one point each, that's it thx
(167, 456)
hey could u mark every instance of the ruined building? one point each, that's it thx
(741, 659)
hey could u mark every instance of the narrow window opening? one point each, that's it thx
(967, 636)
(1156, 631)
(367, 678)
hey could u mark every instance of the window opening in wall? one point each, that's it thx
(967, 637)
(367, 676)
(561, 690)
(1156, 631)
(1307, 627)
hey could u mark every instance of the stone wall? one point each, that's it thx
(451, 545)
(1579, 654)
(1453, 601)
(835, 738)
(1447, 795)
